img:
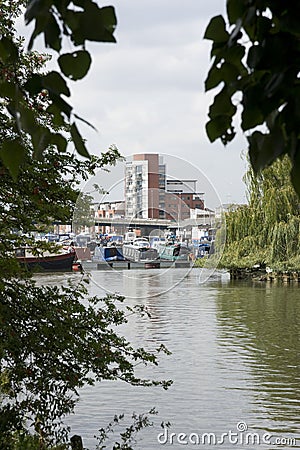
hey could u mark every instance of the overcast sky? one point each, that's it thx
(146, 93)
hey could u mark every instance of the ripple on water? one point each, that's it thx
(235, 356)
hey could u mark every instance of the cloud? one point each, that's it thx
(146, 93)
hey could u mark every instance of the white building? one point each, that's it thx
(136, 189)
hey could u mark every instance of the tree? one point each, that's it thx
(53, 340)
(256, 57)
(78, 21)
(266, 231)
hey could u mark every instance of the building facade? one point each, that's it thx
(142, 186)
(150, 194)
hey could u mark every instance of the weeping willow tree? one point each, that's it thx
(266, 231)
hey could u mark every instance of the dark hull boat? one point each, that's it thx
(108, 254)
(51, 263)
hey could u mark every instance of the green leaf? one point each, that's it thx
(251, 117)
(234, 56)
(55, 83)
(52, 34)
(255, 55)
(75, 65)
(55, 111)
(34, 8)
(227, 74)
(59, 141)
(12, 154)
(213, 79)
(78, 141)
(8, 89)
(40, 139)
(109, 20)
(275, 81)
(61, 105)
(265, 148)
(94, 24)
(218, 127)
(41, 22)
(35, 84)
(235, 10)
(216, 30)
(222, 105)
(253, 103)
(27, 120)
(8, 50)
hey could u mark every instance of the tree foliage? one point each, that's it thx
(267, 230)
(53, 340)
(256, 58)
(23, 96)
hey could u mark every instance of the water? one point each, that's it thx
(235, 362)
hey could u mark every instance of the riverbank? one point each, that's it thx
(264, 274)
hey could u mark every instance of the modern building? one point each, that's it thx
(142, 186)
(150, 194)
(179, 206)
(181, 186)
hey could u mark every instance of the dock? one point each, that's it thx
(131, 265)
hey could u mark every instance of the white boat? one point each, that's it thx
(129, 237)
(139, 250)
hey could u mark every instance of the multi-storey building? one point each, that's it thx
(149, 194)
(181, 197)
(142, 186)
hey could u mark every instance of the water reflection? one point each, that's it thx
(235, 356)
(258, 325)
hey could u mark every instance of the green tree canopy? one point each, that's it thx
(267, 230)
(256, 54)
(53, 339)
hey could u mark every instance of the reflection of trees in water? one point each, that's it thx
(261, 324)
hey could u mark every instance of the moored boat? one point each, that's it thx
(62, 262)
(173, 252)
(139, 250)
(112, 253)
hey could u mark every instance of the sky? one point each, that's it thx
(145, 94)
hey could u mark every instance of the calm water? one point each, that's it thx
(235, 362)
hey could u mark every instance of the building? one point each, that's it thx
(150, 194)
(109, 210)
(179, 206)
(181, 197)
(142, 186)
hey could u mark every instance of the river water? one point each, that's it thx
(235, 362)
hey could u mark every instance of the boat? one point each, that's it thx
(139, 250)
(156, 241)
(173, 252)
(129, 237)
(61, 262)
(105, 253)
(115, 239)
(203, 249)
